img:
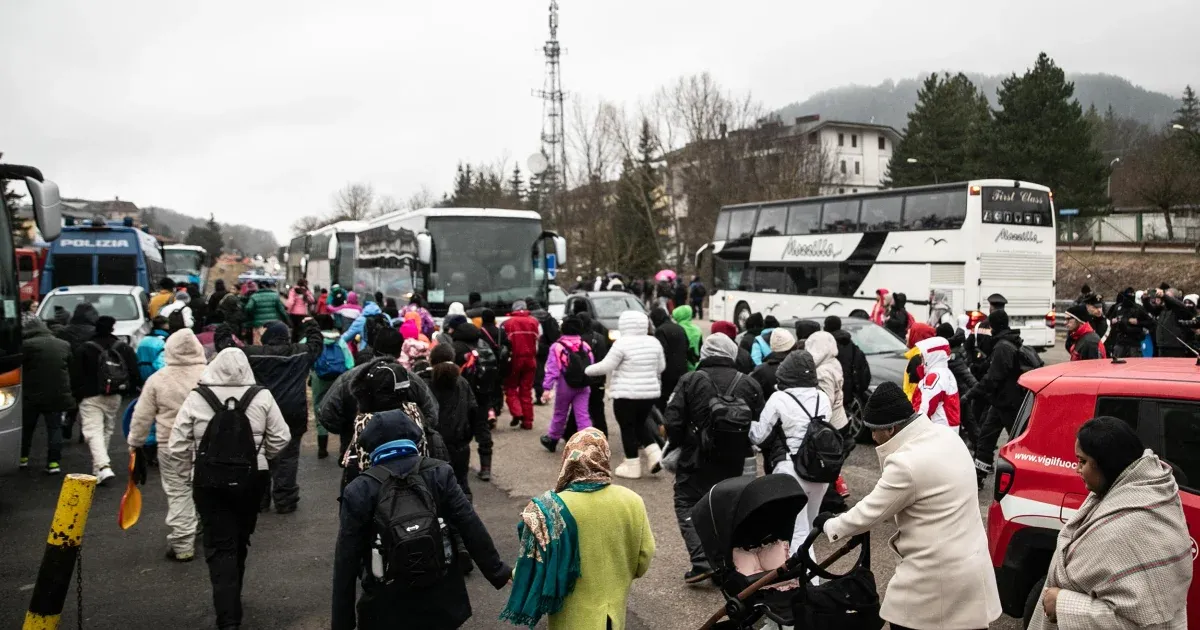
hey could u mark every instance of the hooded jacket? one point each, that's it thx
(230, 308)
(264, 306)
(879, 310)
(936, 395)
(798, 377)
(764, 374)
(229, 376)
(445, 604)
(150, 353)
(999, 384)
(282, 367)
(898, 319)
(683, 316)
(214, 299)
(45, 369)
(635, 361)
(81, 328)
(1122, 332)
(939, 309)
(521, 329)
(856, 371)
(824, 351)
(300, 301)
(85, 381)
(689, 406)
(674, 342)
(555, 360)
(166, 389)
(458, 420)
(762, 346)
(358, 326)
(339, 407)
(753, 328)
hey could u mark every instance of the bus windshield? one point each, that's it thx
(184, 262)
(498, 258)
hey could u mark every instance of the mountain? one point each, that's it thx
(243, 238)
(889, 102)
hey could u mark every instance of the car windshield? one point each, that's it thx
(557, 295)
(611, 307)
(872, 339)
(119, 306)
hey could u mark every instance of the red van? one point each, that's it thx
(1037, 486)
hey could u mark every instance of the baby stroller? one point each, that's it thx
(745, 525)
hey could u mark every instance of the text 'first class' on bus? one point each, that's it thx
(829, 255)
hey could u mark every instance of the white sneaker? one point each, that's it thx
(653, 458)
(105, 474)
(629, 469)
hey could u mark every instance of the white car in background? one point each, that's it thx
(129, 305)
(558, 302)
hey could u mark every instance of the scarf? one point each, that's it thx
(549, 562)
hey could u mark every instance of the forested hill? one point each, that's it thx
(889, 102)
(243, 238)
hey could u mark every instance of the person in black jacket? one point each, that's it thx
(1129, 323)
(394, 440)
(688, 411)
(1174, 338)
(1095, 310)
(754, 328)
(856, 372)
(282, 367)
(498, 342)
(79, 329)
(97, 407)
(459, 419)
(340, 407)
(1000, 387)
(782, 344)
(481, 379)
(45, 390)
(549, 335)
(214, 300)
(675, 348)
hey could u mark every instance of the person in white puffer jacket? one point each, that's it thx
(634, 365)
(824, 350)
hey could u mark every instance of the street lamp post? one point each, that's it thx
(916, 161)
(1108, 192)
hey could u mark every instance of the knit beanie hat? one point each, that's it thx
(833, 323)
(1079, 313)
(387, 342)
(770, 322)
(519, 305)
(998, 320)
(782, 340)
(754, 322)
(571, 326)
(729, 329)
(945, 330)
(887, 407)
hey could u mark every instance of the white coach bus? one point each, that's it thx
(828, 255)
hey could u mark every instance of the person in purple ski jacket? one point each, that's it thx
(565, 364)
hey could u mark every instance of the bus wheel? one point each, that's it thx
(740, 315)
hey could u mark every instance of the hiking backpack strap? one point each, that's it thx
(247, 398)
(732, 386)
(811, 418)
(210, 397)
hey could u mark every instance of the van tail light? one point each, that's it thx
(974, 318)
(1005, 475)
(1051, 317)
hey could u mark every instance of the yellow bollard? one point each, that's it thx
(62, 551)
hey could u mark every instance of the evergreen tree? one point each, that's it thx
(943, 135)
(1188, 114)
(638, 212)
(516, 188)
(1040, 135)
(207, 236)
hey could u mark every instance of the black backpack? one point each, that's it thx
(1027, 360)
(227, 457)
(819, 459)
(726, 436)
(408, 536)
(111, 371)
(487, 364)
(574, 364)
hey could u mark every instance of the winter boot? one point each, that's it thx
(842, 488)
(484, 474)
(653, 458)
(549, 443)
(629, 469)
(526, 424)
(515, 421)
(322, 446)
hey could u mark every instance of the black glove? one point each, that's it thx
(139, 466)
(819, 522)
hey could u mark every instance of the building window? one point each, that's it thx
(841, 191)
(857, 168)
(812, 137)
(853, 140)
(882, 143)
(855, 190)
(843, 167)
(841, 139)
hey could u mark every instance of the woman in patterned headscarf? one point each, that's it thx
(582, 544)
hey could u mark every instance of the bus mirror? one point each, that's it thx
(560, 248)
(333, 247)
(700, 254)
(425, 248)
(47, 209)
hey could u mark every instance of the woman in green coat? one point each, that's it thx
(583, 544)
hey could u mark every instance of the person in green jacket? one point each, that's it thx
(45, 362)
(683, 316)
(263, 307)
(325, 372)
(582, 545)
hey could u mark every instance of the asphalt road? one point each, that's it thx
(125, 577)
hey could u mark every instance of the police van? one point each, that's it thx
(102, 253)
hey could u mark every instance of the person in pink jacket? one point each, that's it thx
(568, 397)
(299, 304)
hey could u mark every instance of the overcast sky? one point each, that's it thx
(259, 111)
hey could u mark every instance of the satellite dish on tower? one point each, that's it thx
(537, 163)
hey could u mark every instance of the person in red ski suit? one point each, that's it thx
(522, 332)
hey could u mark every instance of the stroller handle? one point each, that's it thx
(801, 560)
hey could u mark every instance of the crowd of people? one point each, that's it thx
(224, 383)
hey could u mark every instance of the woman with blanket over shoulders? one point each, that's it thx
(582, 545)
(1125, 559)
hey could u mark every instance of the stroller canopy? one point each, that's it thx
(746, 512)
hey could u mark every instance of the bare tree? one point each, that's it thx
(385, 204)
(308, 223)
(1163, 174)
(423, 198)
(354, 202)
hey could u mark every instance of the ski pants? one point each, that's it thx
(518, 387)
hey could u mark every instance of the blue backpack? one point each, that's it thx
(332, 361)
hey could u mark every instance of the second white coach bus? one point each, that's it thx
(828, 255)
